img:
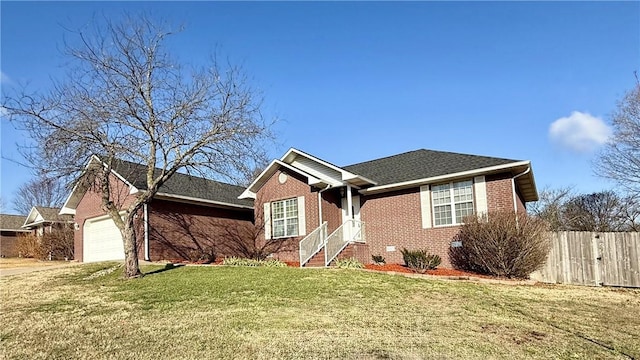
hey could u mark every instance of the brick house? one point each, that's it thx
(10, 231)
(412, 200)
(190, 218)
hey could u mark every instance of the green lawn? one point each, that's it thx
(289, 313)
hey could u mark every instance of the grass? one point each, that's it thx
(289, 313)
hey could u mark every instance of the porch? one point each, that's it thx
(320, 249)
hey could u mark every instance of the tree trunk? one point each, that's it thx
(131, 266)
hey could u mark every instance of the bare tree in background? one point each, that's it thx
(40, 191)
(601, 212)
(127, 98)
(550, 206)
(620, 159)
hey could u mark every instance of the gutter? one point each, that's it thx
(146, 232)
(513, 187)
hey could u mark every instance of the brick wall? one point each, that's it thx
(499, 192)
(295, 186)
(90, 206)
(331, 209)
(8, 242)
(394, 219)
(181, 231)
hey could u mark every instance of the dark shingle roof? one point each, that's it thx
(420, 164)
(11, 222)
(184, 185)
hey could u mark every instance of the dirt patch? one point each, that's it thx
(14, 263)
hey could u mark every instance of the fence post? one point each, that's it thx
(596, 260)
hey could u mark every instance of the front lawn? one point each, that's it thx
(289, 313)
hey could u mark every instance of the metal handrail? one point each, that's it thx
(350, 231)
(312, 243)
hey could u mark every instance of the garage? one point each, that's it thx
(102, 240)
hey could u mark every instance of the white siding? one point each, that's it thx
(267, 220)
(425, 206)
(302, 223)
(480, 190)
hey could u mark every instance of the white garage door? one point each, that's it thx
(102, 240)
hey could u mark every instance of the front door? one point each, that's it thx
(355, 226)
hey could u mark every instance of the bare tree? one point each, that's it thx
(620, 158)
(594, 212)
(550, 205)
(127, 98)
(40, 191)
(602, 211)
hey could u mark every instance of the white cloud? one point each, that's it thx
(580, 132)
(3, 112)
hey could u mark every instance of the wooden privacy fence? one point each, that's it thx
(595, 259)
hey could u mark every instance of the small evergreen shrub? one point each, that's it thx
(420, 260)
(350, 263)
(378, 259)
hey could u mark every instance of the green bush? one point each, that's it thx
(378, 259)
(350, 263)
(237, 261)
(501, 244)
(420, 260)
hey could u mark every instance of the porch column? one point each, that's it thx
(347, 230)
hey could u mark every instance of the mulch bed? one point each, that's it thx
(386, 267)
(438, 272)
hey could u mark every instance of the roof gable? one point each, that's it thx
(179, 187)
(43, 214)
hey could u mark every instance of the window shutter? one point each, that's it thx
(425, 206)
(480, 190)
(267, 220)
(302, 224)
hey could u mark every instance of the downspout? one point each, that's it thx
(513, 188)
(146, 233)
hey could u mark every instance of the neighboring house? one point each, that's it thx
(412, 200)
(189, 218)
(10, 230)
(43, 220)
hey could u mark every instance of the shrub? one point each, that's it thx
(54, 245)
(501, 244)
(204, 255)
(29, 246)
(378, 259)
(350, 263)
(420, 260)
(236, 261)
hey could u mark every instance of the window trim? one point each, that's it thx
(284, 218)
(452, 202)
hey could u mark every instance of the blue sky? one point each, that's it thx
(356, 81)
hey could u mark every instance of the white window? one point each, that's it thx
(452, 202)
(284, 215)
